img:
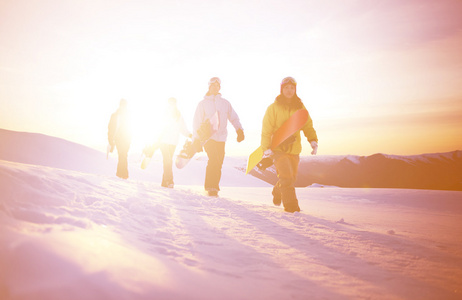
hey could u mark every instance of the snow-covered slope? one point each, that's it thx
(72, 230)
(72, 235)
(43, 150)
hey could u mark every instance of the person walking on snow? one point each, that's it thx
(213, 107)
(286, 156)
(173, 127)
(119, 136)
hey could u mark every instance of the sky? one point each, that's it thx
(376, 76)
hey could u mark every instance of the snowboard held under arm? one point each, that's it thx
(207, 129)
(296, 122)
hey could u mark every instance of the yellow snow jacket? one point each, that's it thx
(276, 114)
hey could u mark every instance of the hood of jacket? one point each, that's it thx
(294, 103)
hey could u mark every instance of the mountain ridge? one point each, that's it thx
(435, 171)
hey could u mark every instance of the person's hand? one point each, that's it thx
(265, 163)
(267, 153)
(240, 135)
(314, 145)
(196, 146)
(111, 146)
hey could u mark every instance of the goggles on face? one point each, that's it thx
(213, 80)
(289, 80)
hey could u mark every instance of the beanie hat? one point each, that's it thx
(213, 80)
(123, 103)
(288, 80)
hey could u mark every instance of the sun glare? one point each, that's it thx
(147, 123)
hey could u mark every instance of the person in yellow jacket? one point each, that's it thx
(286, 156)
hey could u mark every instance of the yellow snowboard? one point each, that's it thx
(254, 159)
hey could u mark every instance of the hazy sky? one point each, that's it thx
(376, 76)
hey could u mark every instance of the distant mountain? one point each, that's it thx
(439, 171)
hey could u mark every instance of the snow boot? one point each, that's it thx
(289, 200)
(292, 207)
(212, 192)
(276, 196)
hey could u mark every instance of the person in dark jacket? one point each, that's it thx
(286, 156)
(119, 136)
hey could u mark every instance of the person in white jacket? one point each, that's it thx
(215, 109)
(173, 126)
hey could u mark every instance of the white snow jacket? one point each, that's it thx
(207, 108)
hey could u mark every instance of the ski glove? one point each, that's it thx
(240, 135)
(265, 163)
(196, 146)
(110, 148)
(314, 145)
(267, 153)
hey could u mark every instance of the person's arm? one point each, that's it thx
(308, 130)
(112, 128)
(268, 129)
(234, 118)
(310, 134)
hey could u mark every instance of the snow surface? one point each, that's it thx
(67, 234)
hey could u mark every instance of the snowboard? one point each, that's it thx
(296, 121)
(191, 147)
(148, 152)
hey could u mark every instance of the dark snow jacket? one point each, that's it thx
(119, 130)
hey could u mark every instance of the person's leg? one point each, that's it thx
(216, 154)
(295, 160)
(276, 194)
(167, 162)
(122, 165)
(286, 169)
(276, 190)
(171, 150)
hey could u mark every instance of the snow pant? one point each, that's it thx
(287, 169)
(216, 154)
(167, 159)
(122, 165)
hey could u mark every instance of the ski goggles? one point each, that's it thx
(213, 80)
(289, 80)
